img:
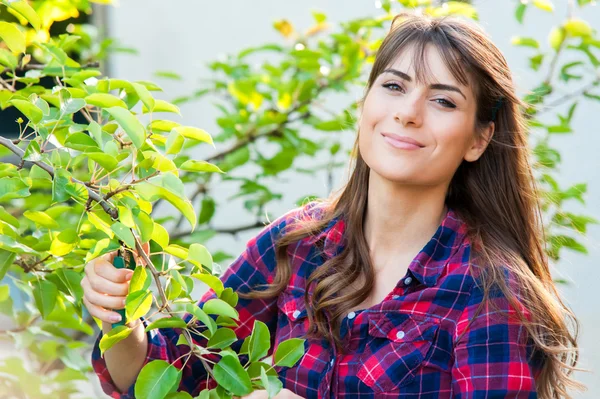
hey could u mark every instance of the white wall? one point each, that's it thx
(184, 35)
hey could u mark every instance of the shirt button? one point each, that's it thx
(332, 362)
(400, 334)
(351, 315)
(296, 314)
(408, 280)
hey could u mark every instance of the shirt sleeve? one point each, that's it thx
(255, 266)
(492, 353)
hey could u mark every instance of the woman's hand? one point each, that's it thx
(105, 287)
(283, 394)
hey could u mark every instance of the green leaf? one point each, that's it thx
(193, 133)
(72, 105)
(207, 210)
(144, 224)
(130, 124)
(6, 259)
(162, 125)
(222, 338)
(160, 235)
(139, 280)
(289, 352)
(25, 10)
(545, 5)
(156, 380)
(525, 41)
(138, 304)
(559, 129)
(174, 143)
(199, 166)
(167, 322)
(45, 293)
(260, 341)
(124, 233)
(168, 75)
(4, 292)
(41, 218)
(144, 95)
(212, 281)
(556, 37)
(64, 243)
(31, 112)
(271, 384)
(12, 36)
(162, 106)
(104, 100)
(177, 250)
(199, 255)
(220, 307)
(81, 142)
(199, 314)
(113, 336)
(520, 11)
(108, 162)
(230, 374)
(577, 28)
(169, 187)
(13, 188)
(179, 395)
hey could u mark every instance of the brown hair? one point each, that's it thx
(495, 196)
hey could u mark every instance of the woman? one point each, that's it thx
(426, 275)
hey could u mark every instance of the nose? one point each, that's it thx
(409, 112)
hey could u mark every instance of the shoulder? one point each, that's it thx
(267, 238)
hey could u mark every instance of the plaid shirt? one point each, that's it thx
(416, 343)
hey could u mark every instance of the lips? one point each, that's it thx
(402, 141)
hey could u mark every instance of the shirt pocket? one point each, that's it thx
(397, 344)
(293, 320)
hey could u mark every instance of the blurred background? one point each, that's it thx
(174, 44)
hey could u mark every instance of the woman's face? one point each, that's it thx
(419, 134)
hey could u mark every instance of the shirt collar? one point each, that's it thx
(429, 263)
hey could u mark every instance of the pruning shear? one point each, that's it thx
(123, 259)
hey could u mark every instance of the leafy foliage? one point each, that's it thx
(98, 155)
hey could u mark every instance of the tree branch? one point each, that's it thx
(230, 230)
(92, 194)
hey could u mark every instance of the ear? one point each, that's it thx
(480, 143)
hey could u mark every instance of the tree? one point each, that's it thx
(97, 155)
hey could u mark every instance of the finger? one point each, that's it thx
(257, 395)
(109, 257)
(104, 286)
(98, 299)
(109, 272)
(100, 313)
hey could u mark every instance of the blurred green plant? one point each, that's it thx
(82, 188)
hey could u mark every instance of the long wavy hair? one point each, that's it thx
(495, 196)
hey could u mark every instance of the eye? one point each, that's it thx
(445, 103)
(392, 86)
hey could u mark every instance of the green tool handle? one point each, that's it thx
(119, 263)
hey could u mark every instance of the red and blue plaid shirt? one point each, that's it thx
(418, 342)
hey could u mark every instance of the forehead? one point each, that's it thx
(426, 65)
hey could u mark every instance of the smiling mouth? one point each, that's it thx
(401, 142)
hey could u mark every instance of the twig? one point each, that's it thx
(129, 185)
(93, 195)
(163, 297)
(570, 96)
(231, 230)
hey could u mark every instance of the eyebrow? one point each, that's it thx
(434, 86)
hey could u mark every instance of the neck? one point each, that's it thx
(401, 219)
